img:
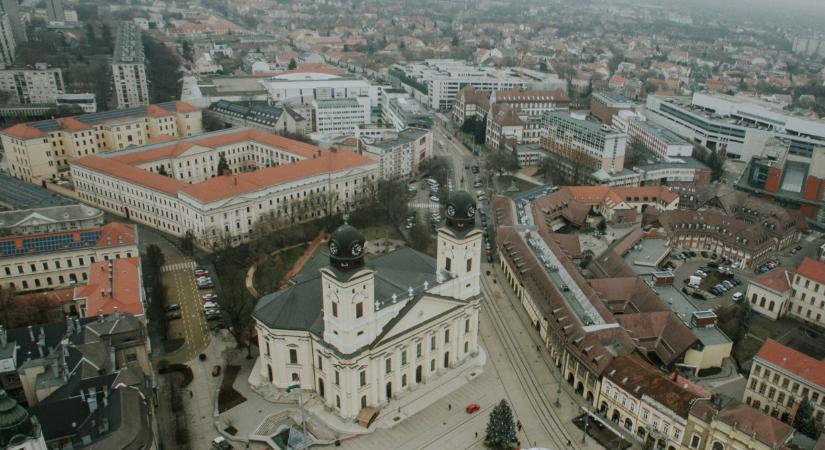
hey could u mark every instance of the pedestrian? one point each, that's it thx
(449, 406)
(476, 434)
(518, 425)
(568, 443)
(190, 394)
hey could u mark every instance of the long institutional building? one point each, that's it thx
(272, 178)
(445, 78)
(784, 152)
(38, 151)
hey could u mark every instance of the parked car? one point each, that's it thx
(173, 307)
(220, 443)
(705, 254)
(172, 315)
(474, 169)
(208, 305)
(737, 296)
(434, 198)
(698, 295)
(713, 264)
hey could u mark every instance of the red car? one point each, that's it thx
(472, 407)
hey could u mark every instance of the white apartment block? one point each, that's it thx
(341, 116)
(445, 78)
(399, 154)
(273, 179)
(8, 46)
(38, 151)
(62, 258)
(128, 68)
(571, 134)
(662, 142)
(737, 126)
(26, 86)
(304, 87)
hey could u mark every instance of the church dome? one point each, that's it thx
(346, 247)
(461, 210)
(15, 423)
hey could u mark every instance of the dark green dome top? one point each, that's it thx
(461, 210)
(346, 247)
(14, 420)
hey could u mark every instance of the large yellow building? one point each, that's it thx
(38, 151)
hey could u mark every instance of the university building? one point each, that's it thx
(38, 151)
(358, 333)
(175, 186)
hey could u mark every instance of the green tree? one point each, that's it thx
(712, 159)
(804, 421)
(501, 429)
(223, 165)
(502, 161)
(637, 154)
(187, 243)
(187, 51)
(292, 64)
(154, 259)
(743, 320)
(455, 41)
(437, 168)
(391, 195)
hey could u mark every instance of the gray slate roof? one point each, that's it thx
(299, 307)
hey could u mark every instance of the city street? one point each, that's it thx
(181, 289)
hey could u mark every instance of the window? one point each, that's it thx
(293, 356)
(448, 263)
(467, 326)
(469, 264)
(388, 364)
(363, 377)
(695, 441)
(334, 309)
(447, 335)
(337, 378)
(359, 310)
(403, 357)
(320, 363)
(432, 343)
(418, 350)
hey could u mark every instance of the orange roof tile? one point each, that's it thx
(23, 131)
(72, 124)
(161, 138)
(185, 107)
(793, 361)
(813, 269)
(126, 172)
(229, 185)
(157, 111)
(117, 233)
(314, 68)
(778, 279)
(125, 288)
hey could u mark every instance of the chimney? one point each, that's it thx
(3, 337)
(112, 359)
(31, 333)
(55, 370)
(69, 327)
(76, 325)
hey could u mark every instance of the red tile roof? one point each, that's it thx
(126, 172)
(157, 111)
(638, 378)
(314, 68)
(793, 361)
(754, 423)
(185, 107)
(125, 288)
(117, 233)
(813, 269)
(72, 124)
(229, 185)
(23, 131)
(778, 279)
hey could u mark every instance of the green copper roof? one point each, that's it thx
(14, 419)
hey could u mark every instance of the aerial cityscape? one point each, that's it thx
(412, 225)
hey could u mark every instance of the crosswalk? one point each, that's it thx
(187, 265)
(423, 205)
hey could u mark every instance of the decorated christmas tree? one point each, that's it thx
(501, 430)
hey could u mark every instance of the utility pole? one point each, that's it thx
(584, 428)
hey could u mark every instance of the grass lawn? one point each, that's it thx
(504, 183)
(271, 270)
(380, 231)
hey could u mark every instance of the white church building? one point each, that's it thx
(358, 333)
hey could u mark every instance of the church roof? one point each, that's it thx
(299, 307)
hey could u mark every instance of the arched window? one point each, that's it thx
(717, 446)
(762, 302)
(628, 424)
(771, 305)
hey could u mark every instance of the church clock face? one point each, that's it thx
(471, 211)
(451, 211)
(356, 249)
(333, 248)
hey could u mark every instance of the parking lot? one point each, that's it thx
(684, 269)
(187, 320)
